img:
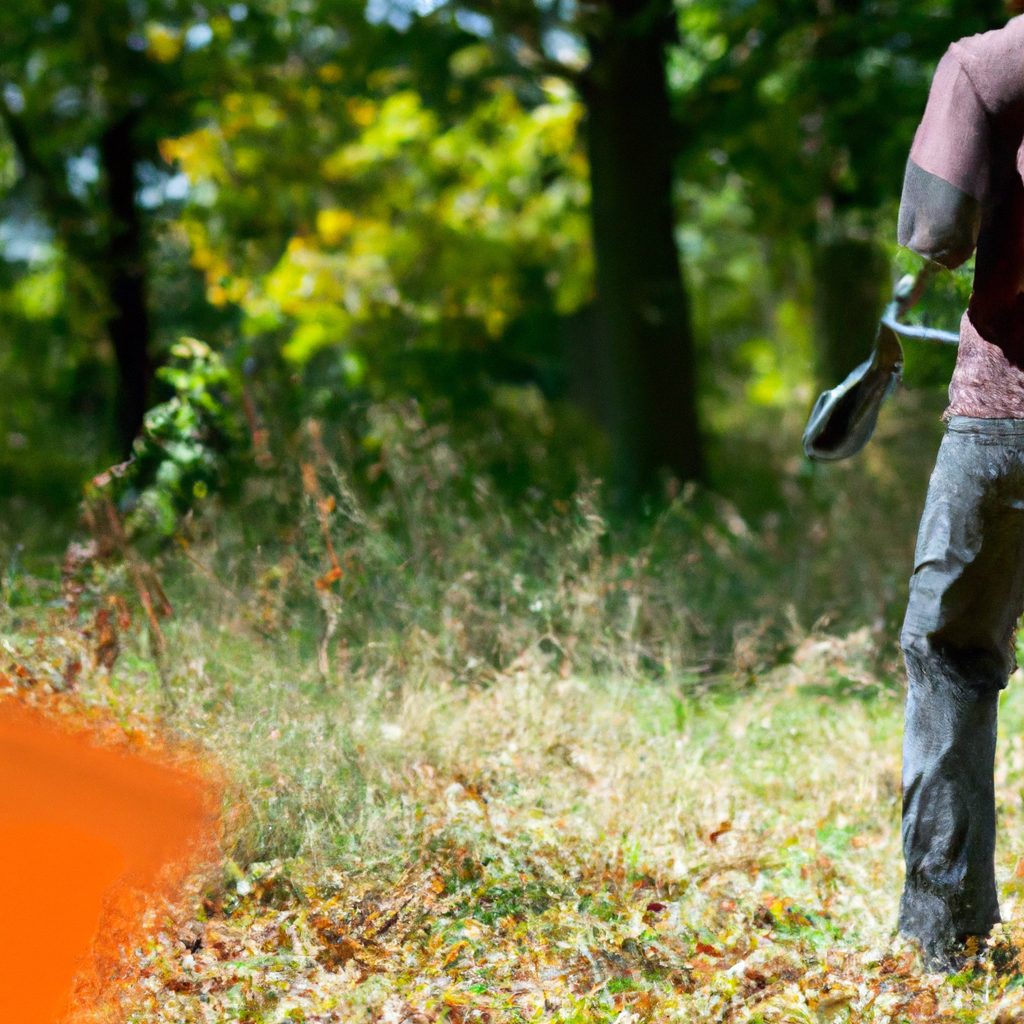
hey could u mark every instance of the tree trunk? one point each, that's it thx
(851, 280)
(641, 297)
(125, 276)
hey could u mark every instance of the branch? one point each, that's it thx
(520, 30)
(535, 63)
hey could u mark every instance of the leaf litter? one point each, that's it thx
(577, 851)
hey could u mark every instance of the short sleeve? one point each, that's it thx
(948, 171)
(953, 141)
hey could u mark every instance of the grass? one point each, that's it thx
(508, 767)
(549, 847)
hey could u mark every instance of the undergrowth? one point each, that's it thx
(495, 760)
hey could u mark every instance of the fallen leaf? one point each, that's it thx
(725, 826)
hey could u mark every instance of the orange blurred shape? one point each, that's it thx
(89, 837)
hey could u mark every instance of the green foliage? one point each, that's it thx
(814, 106)
(190, 448)
(435, 251)
(376, 210)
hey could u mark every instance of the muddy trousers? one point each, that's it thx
(966, 594)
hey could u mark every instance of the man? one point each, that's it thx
(963, 190)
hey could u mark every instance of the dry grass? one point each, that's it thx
(507, 766)
(549, 847)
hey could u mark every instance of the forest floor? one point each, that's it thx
(544, 847)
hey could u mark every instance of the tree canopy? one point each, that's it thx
(578, 230)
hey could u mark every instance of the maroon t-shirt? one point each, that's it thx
(964, 189)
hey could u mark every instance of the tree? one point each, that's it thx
(814, 104)
(394, 221)
(644, 305)
(87, 89)
(616, 56)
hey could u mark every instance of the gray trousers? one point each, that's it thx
(966, 595)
